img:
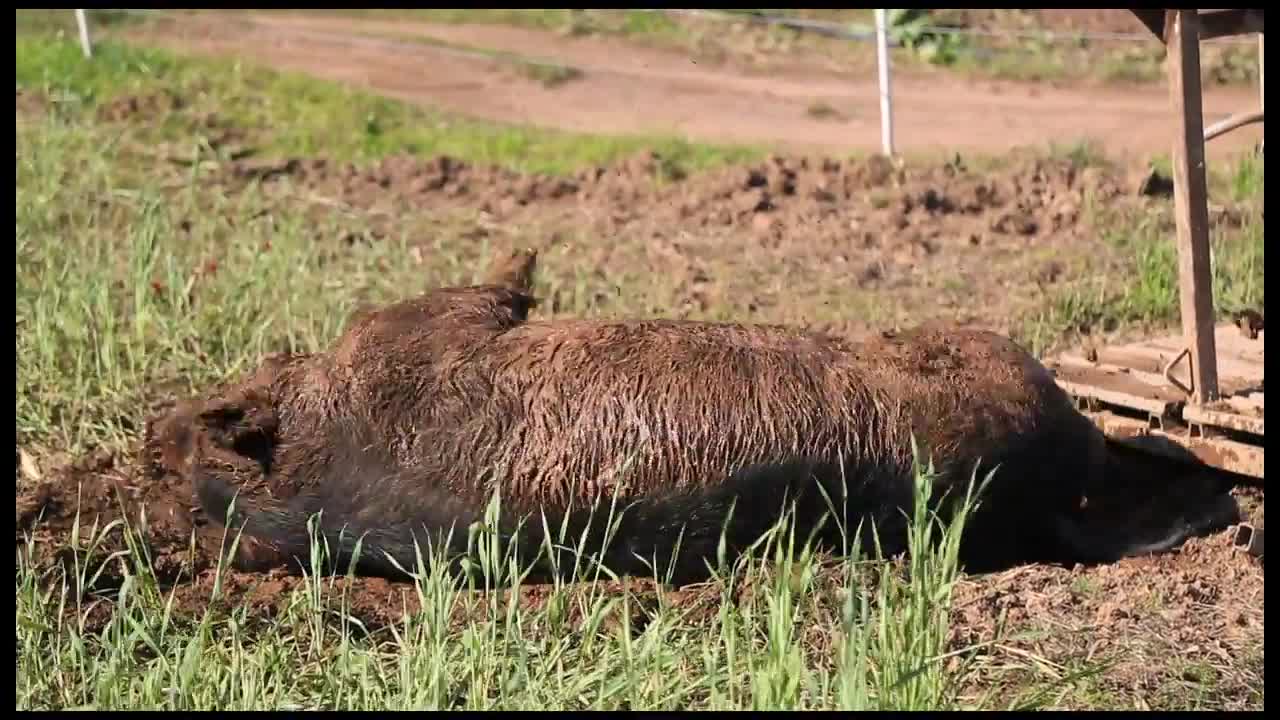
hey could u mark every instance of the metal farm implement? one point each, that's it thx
(1202, 391)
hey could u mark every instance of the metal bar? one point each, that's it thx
(1224, 23)
(1191, 209)
(1249, 539)
(1235, 121)
(1153, 20)
(1230, 455)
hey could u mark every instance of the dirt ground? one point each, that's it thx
(649, 90)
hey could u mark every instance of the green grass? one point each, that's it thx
(822, 110)
(548, 74)
(629, 23)
(1141, 290)
(297, 115)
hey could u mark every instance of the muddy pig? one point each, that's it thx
(406, 427)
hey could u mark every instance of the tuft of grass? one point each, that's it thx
(822, 110)
(548, 74)
(1082, 153)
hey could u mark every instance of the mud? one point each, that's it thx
(864, 203)
(96, 490)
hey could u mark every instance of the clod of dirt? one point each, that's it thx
(100, 488)
(151, 107)
(31, 103)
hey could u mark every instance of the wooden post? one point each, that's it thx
(1191, 203)
(82, 23)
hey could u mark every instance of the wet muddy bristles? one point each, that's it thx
(696, 435)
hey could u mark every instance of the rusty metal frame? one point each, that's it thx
(1184, 416)
(1181, 31)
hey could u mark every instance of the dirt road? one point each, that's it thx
(629, 89)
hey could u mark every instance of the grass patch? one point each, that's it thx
(626, 23)
(548, 74)
(293, 114)
(1082, 153)
(63, 22)
(822, 110)
(1141, 290)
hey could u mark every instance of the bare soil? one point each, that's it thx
(648, 90)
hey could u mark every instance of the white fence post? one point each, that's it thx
(83, 22)
(886, 95)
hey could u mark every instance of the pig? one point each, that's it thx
(662, 445)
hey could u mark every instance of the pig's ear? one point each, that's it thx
(169, 440)
(513, 270)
